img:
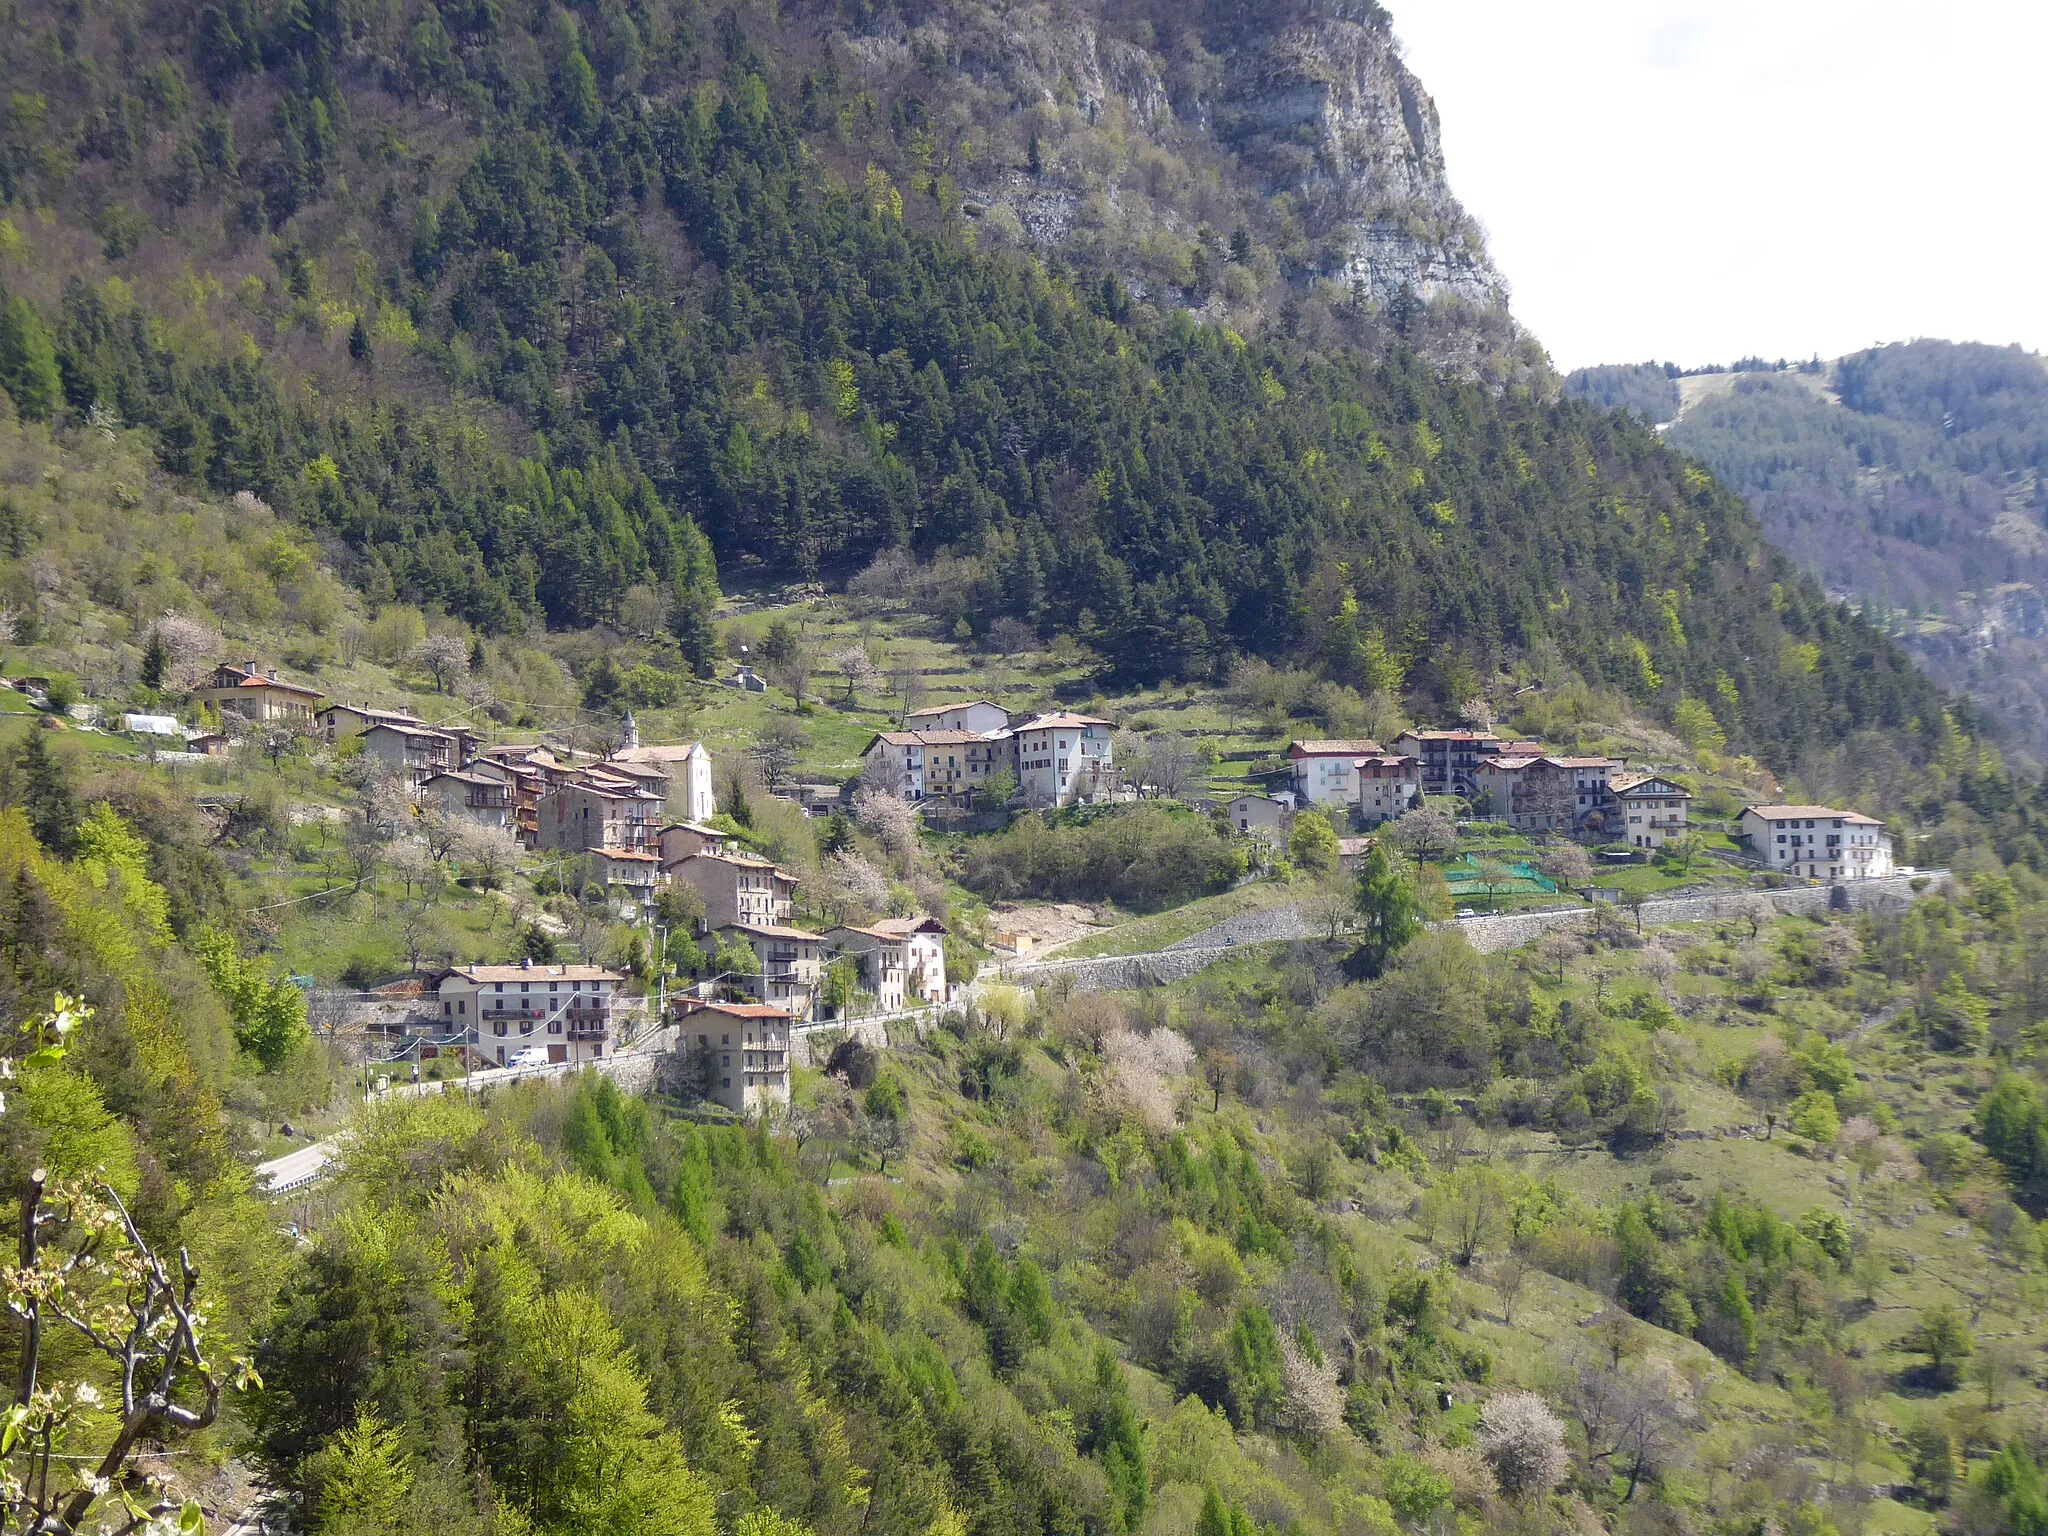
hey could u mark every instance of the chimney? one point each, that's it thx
(526, 964)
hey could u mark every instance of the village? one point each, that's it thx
(636, 826)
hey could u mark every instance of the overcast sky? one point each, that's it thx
(1699, 180)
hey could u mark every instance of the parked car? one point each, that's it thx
(529, 1056)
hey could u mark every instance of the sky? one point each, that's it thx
(1701, 180)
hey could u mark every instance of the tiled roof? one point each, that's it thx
(535, 973)
(935, 710)
(772, 931)
(1629, 782)
(1335, 748)
(871, 933)
(908, 925)
(1056, 722)
(736, 1010)
(1803, 812)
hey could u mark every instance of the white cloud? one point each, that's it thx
(1703, 179)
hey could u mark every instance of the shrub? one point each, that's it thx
(1524, 1444)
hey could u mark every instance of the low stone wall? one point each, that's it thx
(1121, 973)
(1488, 935)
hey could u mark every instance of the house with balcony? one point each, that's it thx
(1449, 759)
(789, 965)
(338, 722)
(735, 888)
(496, 1011)
(254, 694)
(465, 796)
(741, 1051)
(413, 753)
(1817, 842)
(946, 763)
(883, 958)
(631, 880)
(924, 957)
(524, 785)
(581, 814)
(1652, 808)
(1389, 786)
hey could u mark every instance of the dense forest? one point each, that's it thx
(517, 308)
(1914, 477)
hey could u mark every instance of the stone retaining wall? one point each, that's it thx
(1488, 935)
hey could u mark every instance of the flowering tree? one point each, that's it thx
(127, 1317)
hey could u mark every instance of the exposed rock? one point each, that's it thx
(1296, 121)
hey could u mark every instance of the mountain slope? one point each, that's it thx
(508, 309)
(1911, 477)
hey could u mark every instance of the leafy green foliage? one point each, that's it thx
(269, 1013)
(1145, 857)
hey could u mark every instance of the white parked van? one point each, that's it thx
(529, 1056)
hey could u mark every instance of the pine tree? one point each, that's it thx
(1389, 910)
(47, 798)
(359, 342)
(155, 661)
(28, 363)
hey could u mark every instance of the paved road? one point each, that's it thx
(306, 1164)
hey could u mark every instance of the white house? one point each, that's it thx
(924, 956)
(1256, 815)
(688, 767)
(1652, 808)
(743, 1049)
(498, 1010)
(977, 715)
(1062, 756)
(1817, 841)
(1326, 772)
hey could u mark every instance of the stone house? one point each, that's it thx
(467, 796)
(588, 813)
(742, 1050)
(790, 965)
(735, 888)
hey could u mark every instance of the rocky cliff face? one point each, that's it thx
(1223, 158)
